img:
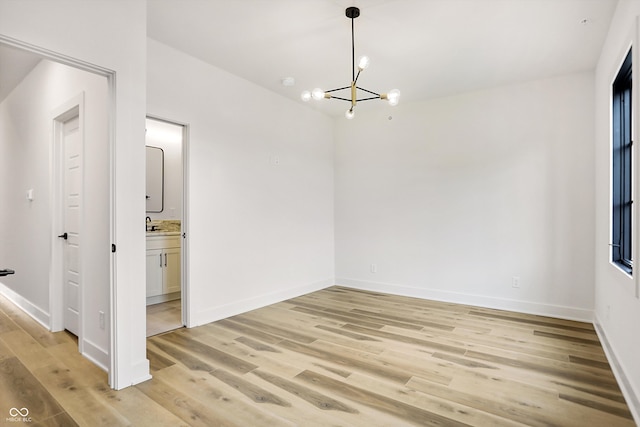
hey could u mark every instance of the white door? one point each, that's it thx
(72, 166)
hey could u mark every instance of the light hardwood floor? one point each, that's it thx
(336, 357)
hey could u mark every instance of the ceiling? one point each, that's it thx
(425, 48)
(14, 65)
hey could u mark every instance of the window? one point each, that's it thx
(621, 170)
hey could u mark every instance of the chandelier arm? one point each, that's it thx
(335, 90)
(341, 99)
(369, 91)
(367, 99)
(357, 75)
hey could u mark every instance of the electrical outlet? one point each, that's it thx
(515, 282)
(101, 314)
(374, 268)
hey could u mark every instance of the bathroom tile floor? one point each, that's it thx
(164, 317)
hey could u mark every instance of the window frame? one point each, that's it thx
(622, 167)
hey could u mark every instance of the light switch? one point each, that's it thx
(30, 194)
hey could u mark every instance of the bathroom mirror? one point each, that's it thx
(155, 179)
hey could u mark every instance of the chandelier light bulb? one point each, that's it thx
(317, 94)
(349, 113)
(363, 62)
(393, 97)
(305, 96)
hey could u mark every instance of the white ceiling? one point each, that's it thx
(425, 48)
(14, 65)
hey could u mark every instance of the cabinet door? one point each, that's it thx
(172, 276)
(155, 268)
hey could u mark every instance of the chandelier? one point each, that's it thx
(392, 97)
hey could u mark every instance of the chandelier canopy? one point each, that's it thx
(392, 97)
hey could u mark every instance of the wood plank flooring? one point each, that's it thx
(336, 357)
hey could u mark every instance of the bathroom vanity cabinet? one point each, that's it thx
(163, 267)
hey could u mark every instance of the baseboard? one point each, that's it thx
(96, 354)
(561, 312)
(134, 374)
(630, 395)
(163, 298)
(35, 312)
(228, 310)
(142, 368)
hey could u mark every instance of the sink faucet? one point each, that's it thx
(146, 224)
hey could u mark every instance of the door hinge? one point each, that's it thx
(113, 248)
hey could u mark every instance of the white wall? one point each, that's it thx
(497, 178)
(454, 197)
(26, 227)
(260, 219)
(111, 35)
(168, 137)
(617, 307)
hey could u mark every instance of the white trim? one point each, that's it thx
(158, 299)
(186, 289)
(631, 396)
(35, 312)
(114, 353)
(57, 57)
(97, 355)
(143, 368)
(228, 310)
(561, 312)
(635, 71)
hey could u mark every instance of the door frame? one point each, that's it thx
(110, 75)
(69, 109)
(184, 222)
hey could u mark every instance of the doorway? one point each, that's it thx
(57, 139)
(165, 225)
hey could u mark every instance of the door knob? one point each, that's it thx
(64, 236)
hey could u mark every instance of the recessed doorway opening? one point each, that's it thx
(59, 131)
(165, 226)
